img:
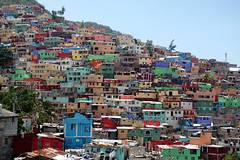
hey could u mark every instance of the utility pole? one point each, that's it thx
(14, 100)
(226, 57)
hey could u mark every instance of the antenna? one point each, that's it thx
(225, 57)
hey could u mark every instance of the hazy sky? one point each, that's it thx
(206, 28)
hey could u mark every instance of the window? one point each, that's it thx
(193, 151)
(6, 141)
(73, 126)
(87, 129)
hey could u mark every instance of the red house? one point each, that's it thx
(189, 113)
(39, 37)
(19, 141)
(110, 122)
(48, 140)
(64, 55)
(216, 152)
(48, 87)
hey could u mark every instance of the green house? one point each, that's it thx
(53, 41)
(205, 86)
(61, 100)
(162, 72)
(230, 102)
(179, 152)
(107, 70)
(75, 74)
(83, 100)
(147, 134)
(20, 75)
(104, 58)
(43, 54)
(152, 105)
(165, 88)
(204, 107)
(71, 88)
(21, 27)
(155, 115)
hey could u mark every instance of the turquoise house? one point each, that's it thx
(53, 41)
(77, 130)
(153, 117)
(20, 75)
(62, 100)
(146, 134)
(179, 152)
(230, 102)
(204, 107)
(107, 70)
(71, 88)
(75, 74)
(118, 152)
(152, 105)
(43, 54)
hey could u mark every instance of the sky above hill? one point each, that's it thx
(206, 28)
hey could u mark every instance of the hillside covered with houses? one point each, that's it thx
(80, 90)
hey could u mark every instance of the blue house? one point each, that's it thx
(204, 120)
(186, 64)
(162, 64)
(184, 55)
(77, 130)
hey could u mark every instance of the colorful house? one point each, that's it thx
(75, 74)
(43, 54)
(181, 152)
(153, 117)
(162, 71)
(20, 75)
(77, 131)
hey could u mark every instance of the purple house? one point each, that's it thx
(161, 64)
(204, 120)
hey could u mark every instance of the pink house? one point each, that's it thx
(102, 37)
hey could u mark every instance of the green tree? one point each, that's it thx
(149, 46)
(207, 77)
(171, 46)
(27, 103)
(232, 156)
(63, 10)
(54, 15)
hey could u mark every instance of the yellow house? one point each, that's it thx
(78, 39)
(80, 54)
(125, 39)
(126, 122)
(146, 95)
(115, 111)
(145, 84)
(123, 132)
(164, 94)
(98, 99)
(125, 76)
(92, 78)
(55, 79)
(43, 71)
